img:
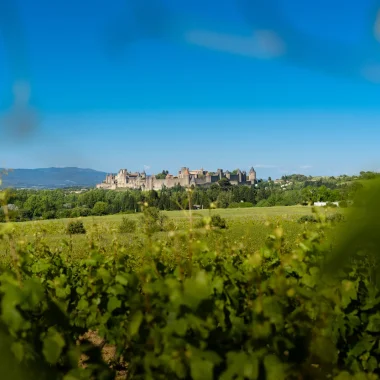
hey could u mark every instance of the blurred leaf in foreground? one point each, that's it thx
(360, 235)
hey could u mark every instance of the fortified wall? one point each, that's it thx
(185, 178)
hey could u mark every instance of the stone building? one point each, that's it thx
(186, 178)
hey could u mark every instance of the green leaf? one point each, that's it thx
(53, 344)
(196, 289)
(179, 326)
(324, 349)
(82, 304)
(242, 365)
(121, 279)
(349, 292)
(274, 369)
(113, 303)
(134, 324)
(309, 280)
(372, 364)
(80, 290)
(18, 350)
(374, 323)
(201, 369)
(343, 376)
(365, 344)
(104, 275)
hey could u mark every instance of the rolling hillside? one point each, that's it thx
(52, 178)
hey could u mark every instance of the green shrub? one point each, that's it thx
(200, 223)
(127, 225)
(170, 225)
(85, 211)
(331, 205)
(153, 220)
(262, 203)
(307, 219)
(218, 222)
(74, 213)
(76, 227)
(343, 204)
(336, 218)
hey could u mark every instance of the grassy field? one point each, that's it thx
(254, 213)
(247, 229)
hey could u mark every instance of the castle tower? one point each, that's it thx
(240, 176)
(228, 174)
(252, 176)
(186, 175)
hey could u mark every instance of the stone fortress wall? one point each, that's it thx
(185, 178)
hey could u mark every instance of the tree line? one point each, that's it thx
(64, 203)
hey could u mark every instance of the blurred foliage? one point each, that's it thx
(360, 237)
(127, 225)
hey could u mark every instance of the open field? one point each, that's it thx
(247, 227)
(253, 213)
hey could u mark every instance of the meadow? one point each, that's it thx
(247, 226)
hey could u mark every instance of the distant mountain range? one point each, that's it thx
(52, 178)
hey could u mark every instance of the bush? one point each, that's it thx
(153, 220)
(336, 218)
(343, 204)
(76, 227)
(85, 211)
(171, 225)
(307, 219)
(331, 205)
(127, 226)
(262, 203)
(218, 222)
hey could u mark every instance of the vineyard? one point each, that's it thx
(202, 297)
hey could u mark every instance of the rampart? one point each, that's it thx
(185, 178)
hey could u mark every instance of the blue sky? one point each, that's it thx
(159, 84)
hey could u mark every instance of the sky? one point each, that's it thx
(286, 86)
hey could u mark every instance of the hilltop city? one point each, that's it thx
(185, 178)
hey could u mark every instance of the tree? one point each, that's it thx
(162, 175)
(100, 208)
(309, 195)
(224, 199)
(224, 183)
